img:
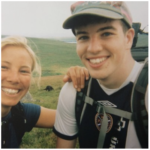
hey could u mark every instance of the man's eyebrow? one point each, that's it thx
(101, 29)
(106, 28)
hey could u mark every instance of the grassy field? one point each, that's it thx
(56, 57)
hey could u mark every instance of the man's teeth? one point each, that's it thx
(97, 60)
(10, 91)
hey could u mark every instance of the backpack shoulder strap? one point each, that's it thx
(138, 105)
(18, 120)
(80, 96)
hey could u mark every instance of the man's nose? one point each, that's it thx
(95, 45)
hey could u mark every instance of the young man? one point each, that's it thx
(104, 38)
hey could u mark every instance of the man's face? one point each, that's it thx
(102, 48)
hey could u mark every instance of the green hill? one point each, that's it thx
(55, 56)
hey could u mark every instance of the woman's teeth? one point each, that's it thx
(10, 91)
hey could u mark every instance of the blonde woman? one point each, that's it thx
(18, 63)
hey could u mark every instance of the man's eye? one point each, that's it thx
(83, 38)
(106, 34)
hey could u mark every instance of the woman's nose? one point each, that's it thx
(13, 76)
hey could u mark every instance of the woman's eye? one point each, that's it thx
(24, 71)
(3, 67)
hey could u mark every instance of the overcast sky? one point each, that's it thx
(45, 19)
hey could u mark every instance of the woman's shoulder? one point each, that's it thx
(29, 106)
(31, 111)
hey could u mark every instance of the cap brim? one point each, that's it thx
(69, 22)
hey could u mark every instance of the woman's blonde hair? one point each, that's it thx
(22, 42)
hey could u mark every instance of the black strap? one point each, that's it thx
(138, 105)
(80, 96)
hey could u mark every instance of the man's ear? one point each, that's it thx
(129, 38)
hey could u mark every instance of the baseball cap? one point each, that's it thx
(106, 9)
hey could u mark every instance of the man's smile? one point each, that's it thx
(97, 60)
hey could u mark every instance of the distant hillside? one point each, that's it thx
(68, 40)
(56, 56)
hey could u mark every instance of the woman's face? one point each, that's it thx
(16, 72)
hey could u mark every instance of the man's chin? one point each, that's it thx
(97, 75)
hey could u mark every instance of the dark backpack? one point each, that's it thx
(139, 48)
(18, 120)
(139, 107)
(139, 114)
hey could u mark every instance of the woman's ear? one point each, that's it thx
(129, 38)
